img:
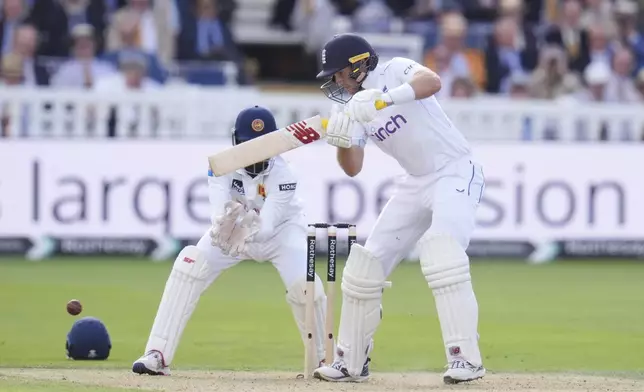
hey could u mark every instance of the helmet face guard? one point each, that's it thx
(360, 65)
(256, 168)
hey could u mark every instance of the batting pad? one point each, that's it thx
(363, 282)
(186, 283)
(296, 297)
(447, 271)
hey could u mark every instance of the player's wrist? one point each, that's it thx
(400, 95)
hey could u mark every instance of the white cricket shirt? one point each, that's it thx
(417, 134)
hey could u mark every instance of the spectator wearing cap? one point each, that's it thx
(131, 77)
(84, 68)
(12, 16)
(552, 79)
(126, 27)
(151, 28)
(56, 19)
(596, 75)
(460, 60)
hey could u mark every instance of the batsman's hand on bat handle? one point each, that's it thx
(380, 104)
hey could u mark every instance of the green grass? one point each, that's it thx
(19, 385)
(573, 316)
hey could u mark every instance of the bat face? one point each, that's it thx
(267, 146)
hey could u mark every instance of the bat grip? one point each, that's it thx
(380, 104)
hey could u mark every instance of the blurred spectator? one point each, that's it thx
(626, 20)
(13, 15)
(311, 18)
(570, 34)
(639, 83)
(132, 77)
(596, 11)
(596, 76)
(372, 17)
(552, 78)
(456, 59)
(519, 83)
(507, 54)
(620, 87)
(125, 28)
(55, 19)
(206, 36)
(84, 68)
(463, 88)
(599, 42)
(150, 28)
(12, 73)
(25, 44)
(480, 10)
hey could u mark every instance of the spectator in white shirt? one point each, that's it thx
(620, 87)
(83, 69)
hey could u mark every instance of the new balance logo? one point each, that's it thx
(303, 132)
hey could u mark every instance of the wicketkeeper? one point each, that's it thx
(256, 215)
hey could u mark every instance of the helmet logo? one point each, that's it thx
(323, 56)
(257, 125)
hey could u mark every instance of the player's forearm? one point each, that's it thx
(423, 84)
(350, 160)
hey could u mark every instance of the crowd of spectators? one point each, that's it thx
(587, 50)
(590, 50)
(114, 43)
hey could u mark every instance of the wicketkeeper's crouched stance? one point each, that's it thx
(256, 216)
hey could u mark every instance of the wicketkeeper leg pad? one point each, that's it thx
(189, 278)
(296, 297)
(446, 268)
(363, 282)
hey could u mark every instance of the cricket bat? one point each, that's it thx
(272, 144)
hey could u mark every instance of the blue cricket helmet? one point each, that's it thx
(346, 50)
(253, 122)
(88, 339)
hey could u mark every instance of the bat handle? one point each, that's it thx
(380, 104)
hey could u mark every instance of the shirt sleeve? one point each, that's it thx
(280, 191)
(218, 194)
(359, 135)
(402, 69)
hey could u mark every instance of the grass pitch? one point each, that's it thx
(581, 317)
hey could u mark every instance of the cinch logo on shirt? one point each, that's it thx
(395, 123)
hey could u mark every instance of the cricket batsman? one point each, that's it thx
(434, 206)
(255, 215)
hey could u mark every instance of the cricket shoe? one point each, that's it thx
(151, 363)
(460, 370)
(337, 372)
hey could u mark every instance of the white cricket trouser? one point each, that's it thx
(443, 202)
